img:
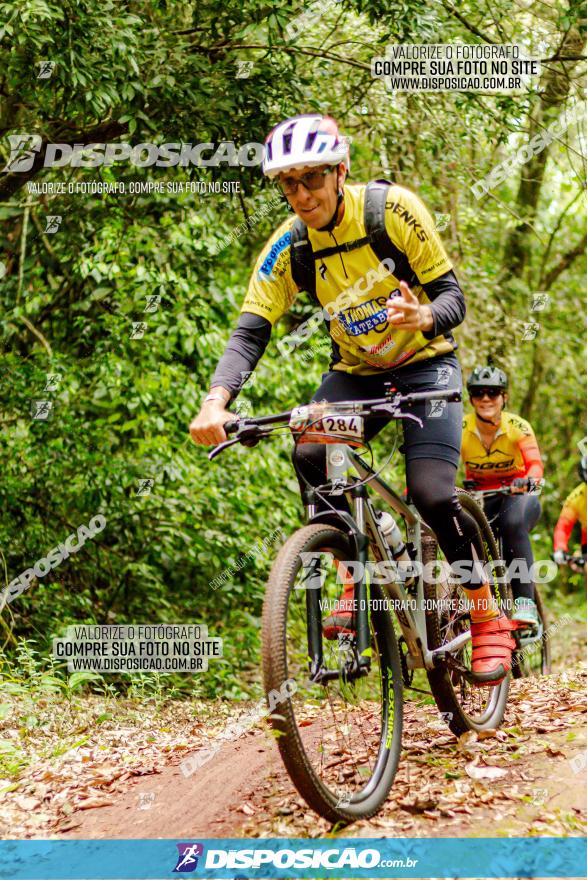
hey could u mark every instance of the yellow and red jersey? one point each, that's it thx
(513, 453)
(574, 510)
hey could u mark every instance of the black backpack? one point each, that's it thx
(303, 258)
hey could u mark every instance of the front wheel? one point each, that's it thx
(464, 706)
(339, 739)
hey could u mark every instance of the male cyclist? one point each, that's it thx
(574, 510)
(500, 449)
(382, 330)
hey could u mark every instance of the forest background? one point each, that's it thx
(161, 72)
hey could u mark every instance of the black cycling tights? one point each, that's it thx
(513, 517)
(431, 485)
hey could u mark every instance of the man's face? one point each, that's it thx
(314, 206)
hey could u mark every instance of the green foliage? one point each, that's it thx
(167, 73)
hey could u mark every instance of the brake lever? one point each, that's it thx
(395, 412)
(412, 417)
(240, 438)
(221, 447)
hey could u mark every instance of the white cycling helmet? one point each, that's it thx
(305, 140)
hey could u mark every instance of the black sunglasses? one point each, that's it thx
(311, 180)
(486, 392)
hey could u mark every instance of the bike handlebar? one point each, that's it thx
(248, 430)
(503, 490)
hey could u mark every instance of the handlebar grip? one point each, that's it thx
(454, 395)
(231, 427)
(450, 394)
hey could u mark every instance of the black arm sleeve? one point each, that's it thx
(447, 304)
(242, 353)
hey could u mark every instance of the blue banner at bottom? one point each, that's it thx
(336, 857)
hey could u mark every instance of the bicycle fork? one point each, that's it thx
(361, 662)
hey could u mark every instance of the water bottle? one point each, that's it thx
(395, 542)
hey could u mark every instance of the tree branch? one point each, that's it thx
(38, 334)
(565, 261)
(468, 25)
(553, 234)
(292, 49)
(564, 58)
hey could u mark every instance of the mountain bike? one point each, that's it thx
(532, 656)
(340, 732)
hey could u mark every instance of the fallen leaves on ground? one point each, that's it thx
(124, 740)
(82, 754)
(443, 783)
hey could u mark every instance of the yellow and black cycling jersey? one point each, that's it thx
(513, 453)
(574, 510)
(353, 286)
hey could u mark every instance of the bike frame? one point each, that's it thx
(412, 622)
(479, 495)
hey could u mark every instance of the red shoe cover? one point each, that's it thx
(492, 647)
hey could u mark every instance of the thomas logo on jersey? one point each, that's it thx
(363, 318)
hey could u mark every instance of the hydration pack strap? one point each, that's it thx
(303, 257)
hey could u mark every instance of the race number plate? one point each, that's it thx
(316, 425)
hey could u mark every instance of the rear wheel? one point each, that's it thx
(464, 706)
(532, 658)
(340, 740)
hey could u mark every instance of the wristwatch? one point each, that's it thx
(214, 397)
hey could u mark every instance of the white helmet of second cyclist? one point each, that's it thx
(302, 141)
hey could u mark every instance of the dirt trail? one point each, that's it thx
(207, 804)
(244, 790)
